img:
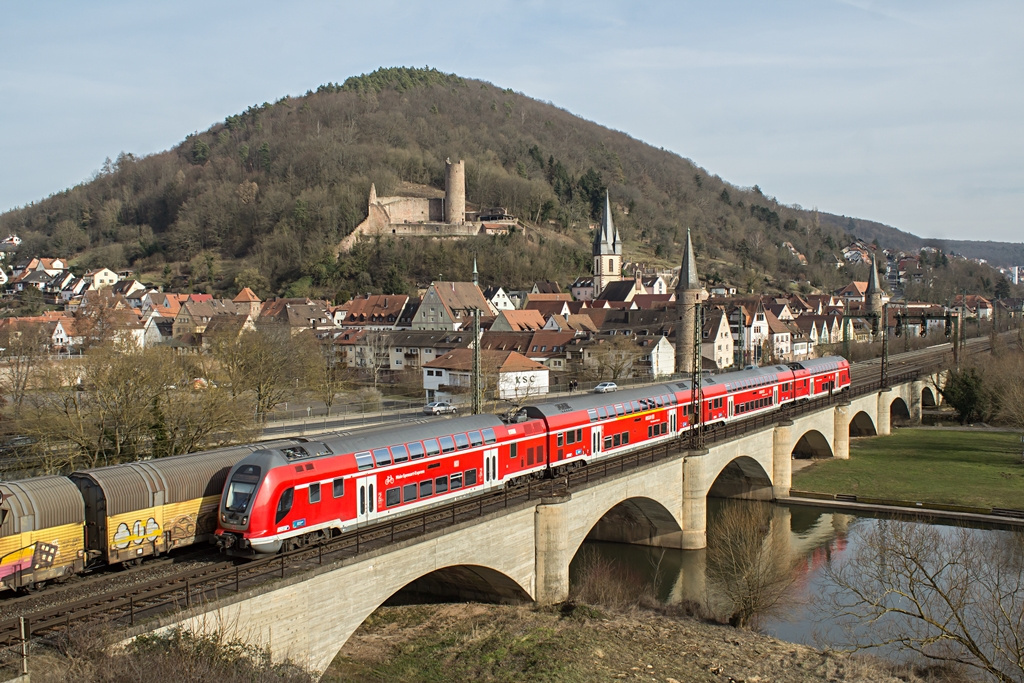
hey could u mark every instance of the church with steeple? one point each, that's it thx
(607, 250)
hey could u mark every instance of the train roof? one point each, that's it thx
(573, 404)
(378, 437)
(753, 376)
(144, 484)
(39, 503)
(823, 363)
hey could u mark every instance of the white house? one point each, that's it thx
(508, 374)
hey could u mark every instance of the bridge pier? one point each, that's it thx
(782, 456)
(553, 551)
(841, 432)
(695, 500)
(883, 423)
(917, 388)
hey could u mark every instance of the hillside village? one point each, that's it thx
(614, 323)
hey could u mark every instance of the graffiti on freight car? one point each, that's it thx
(140, 531)
(182, 527)
(38, 555)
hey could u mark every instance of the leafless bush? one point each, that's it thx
(602, 581)
(89, 655)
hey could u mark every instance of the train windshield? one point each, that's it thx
(242, 488)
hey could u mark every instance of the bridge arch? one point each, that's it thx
(928, 398)
(461, 582)
(812, 444)
(862, 425)
(638, 520)
(899, 411)
(742, 477)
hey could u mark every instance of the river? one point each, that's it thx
(813, 535)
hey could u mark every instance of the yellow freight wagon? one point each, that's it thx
(146, 508)
(42, 523)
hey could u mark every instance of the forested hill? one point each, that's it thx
(262, 198)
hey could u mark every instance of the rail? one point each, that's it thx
(192, 588)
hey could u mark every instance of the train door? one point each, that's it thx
(366, 497)
(490, 466)
(672, 421)
(775, 395)
(595, 439)
(730, 407)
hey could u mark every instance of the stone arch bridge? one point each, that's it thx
(523, 553)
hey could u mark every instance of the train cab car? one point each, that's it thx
(283, 498)
(821, 376)
(583, 427)
(149, 507)
(41, 531)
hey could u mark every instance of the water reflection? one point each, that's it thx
(814, 536)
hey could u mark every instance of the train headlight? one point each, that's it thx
(224, 518)
(245, 520)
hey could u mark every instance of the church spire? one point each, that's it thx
(606, 241)
(688, 279)
(873, 284)
(476, 276)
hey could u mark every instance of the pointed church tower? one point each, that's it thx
(373, 194)
(687, 296)
(607, 251)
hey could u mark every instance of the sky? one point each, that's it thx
(910, 113)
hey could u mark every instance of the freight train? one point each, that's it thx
(283, 498)
(260, 498)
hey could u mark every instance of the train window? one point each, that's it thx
(629, 407)
(432, 447)
(475, 439)
(489, 436)
(284, 504)
(560, 438)
(456, 481)
(625, 438)
(364, 460)
(314, 493)
(658, 401)
(540, 454)
(339, 488)
(619, 410)
(579, 435)
(664, 427)
(607, 442)
(426, 488)
(470, 477)
(441, 484)
(617, 440)
(409, 492)
(400, 453)
(415, 450)
(592, 414)
(447, 444)
(239, 495)
(381, 456)
(513, 451)
(602, 412)
(461, 441)
(393, 497)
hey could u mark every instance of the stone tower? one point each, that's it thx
(607, 251)
(454, 192)
(687, 297)
(874, 293)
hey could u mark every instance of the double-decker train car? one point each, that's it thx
(286, 497)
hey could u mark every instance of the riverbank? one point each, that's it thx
(475, 642)
(978, 468)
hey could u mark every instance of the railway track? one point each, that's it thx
(185, 589)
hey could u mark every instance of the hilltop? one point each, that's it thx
(263, 198)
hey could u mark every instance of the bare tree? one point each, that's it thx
(377, 356)
(23, 351)
(951, 596)
(326, 376)
(748, 571)
(612, 357)
(265, 362)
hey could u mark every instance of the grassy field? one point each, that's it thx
(975, 468)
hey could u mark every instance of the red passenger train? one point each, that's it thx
(288, 496)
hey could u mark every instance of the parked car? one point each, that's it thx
(439, 408)
(605, 387)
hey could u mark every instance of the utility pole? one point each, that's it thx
(883, 330)
(696, 422)
(476, 381)
(846, 330)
